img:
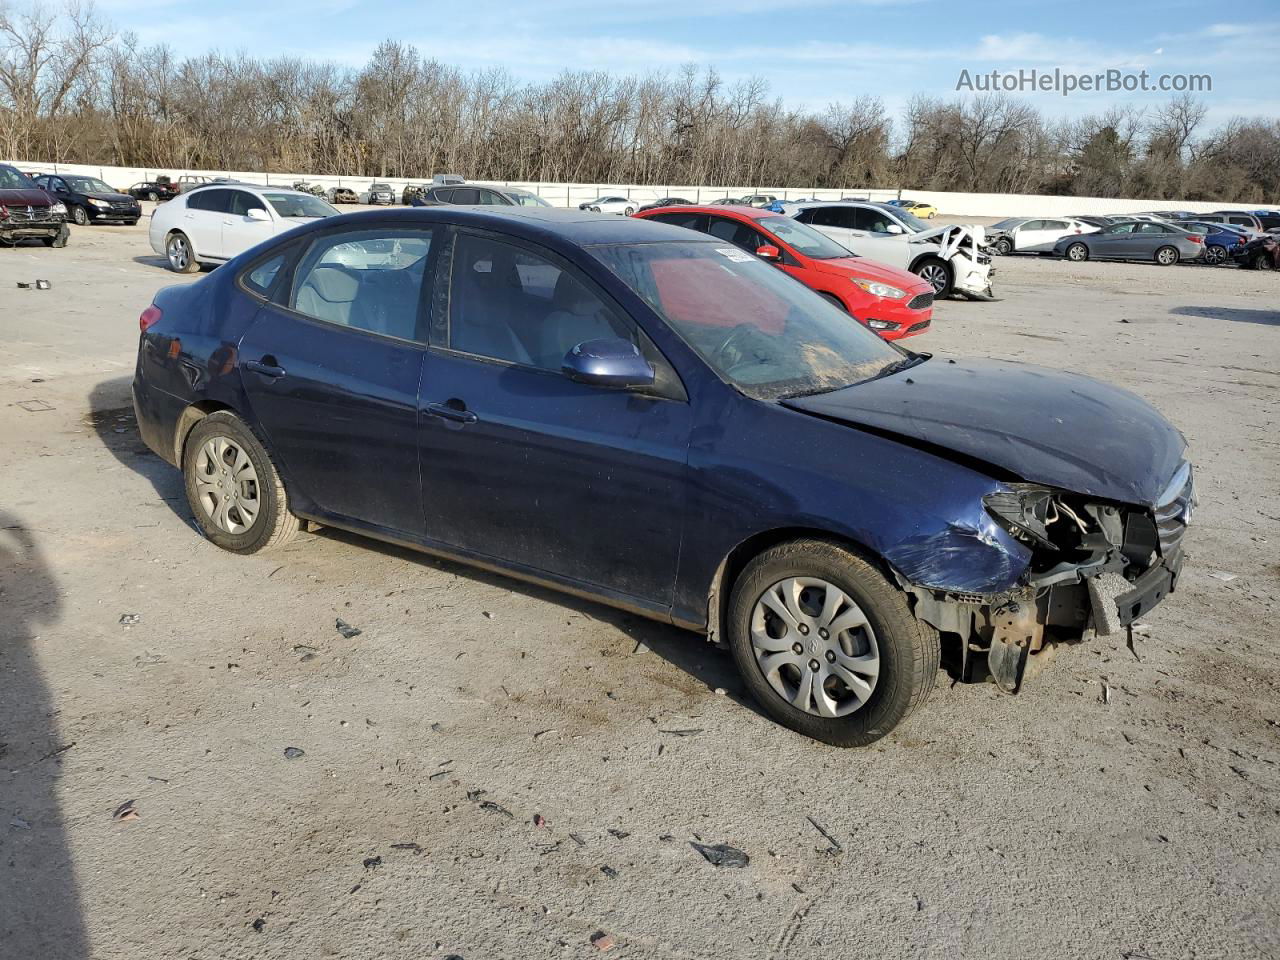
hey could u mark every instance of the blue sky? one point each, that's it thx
(811, 52)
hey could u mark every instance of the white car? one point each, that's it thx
(949, 257)
(1023, 235)
(611, 204)
(214, 223)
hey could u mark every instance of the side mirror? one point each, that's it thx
(769, 252)
(893, 228)
(609, 362)
(257, 213)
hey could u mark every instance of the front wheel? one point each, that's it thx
(629, 211)
(937, 273)
(1167, 256)
(1077, 253)
(79, 216)
(181, 257)
(59, 239)
(233, 488)
(153, 197)
(1215, 254)
(1261, 261)
(1004, 247)
(827, 645)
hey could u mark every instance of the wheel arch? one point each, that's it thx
(191, 415)
(932, 255)
(736, 560)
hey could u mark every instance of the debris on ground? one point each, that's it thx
(1106, 693)
(835, 844)
(602, 941)
(577, 839)
(722, 855)
(125, 811)
(35, 406)
(619, 834)
(683, 733)
(293, 753)
(346, 629)
(259, 925)
(1222, 575)
(372, 863)
(415, 847)
(305, 652)
(20, 823)
(129, 619)
(539, 820)
(496, 808)
(609, 872)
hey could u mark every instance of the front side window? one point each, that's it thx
(466, 195)
(736, 232)
(508, 303)
(493, 199)
(368, 280)
(526, 199)
(242, 202)
(804, 238)
(753, 325)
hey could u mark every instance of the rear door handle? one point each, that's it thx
(265, 367)
(446, 412)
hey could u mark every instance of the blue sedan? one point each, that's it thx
(650, 417)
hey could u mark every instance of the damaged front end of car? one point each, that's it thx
(965, 248)
(1095, 567)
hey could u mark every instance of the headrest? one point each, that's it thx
(334, 284)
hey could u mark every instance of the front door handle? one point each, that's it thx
(451, 411)
(265, 367)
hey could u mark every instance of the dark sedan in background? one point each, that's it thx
(1164, 243)
(89, 200)
(654, 418)
(156, 191)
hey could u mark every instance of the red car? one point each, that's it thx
(892, 302)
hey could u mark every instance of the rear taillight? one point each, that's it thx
(149, 317)
(1196, 238)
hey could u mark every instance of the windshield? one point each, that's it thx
(381, 186)
(757, 328)
(526, 199)
(912, 222)
(88, 185)
(11, 179)
(804, 238)
(299, 205)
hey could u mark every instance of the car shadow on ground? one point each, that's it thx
(112, 420)
(40, 910)
(1269, 318)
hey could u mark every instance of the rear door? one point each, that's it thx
(202, 220)
(522, 465)
(331, 368)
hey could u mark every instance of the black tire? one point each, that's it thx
(79, 215)
(60, 240)
(1261, 261)
(928, 268)
(628, 211)
(177, 263)
(1077, 253)
(1167, 256)
(1215, 254)
(153, 197)
(909, 650)
(274, 525)
(1004, 247)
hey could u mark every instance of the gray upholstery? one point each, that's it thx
(577, 315)
(487, 296)
(328, 293)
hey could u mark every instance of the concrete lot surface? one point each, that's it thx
(483, 750)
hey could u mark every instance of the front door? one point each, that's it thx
(240, 232)
(331, 367)
(524, 466)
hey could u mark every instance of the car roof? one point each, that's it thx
(548, 225)
(720, 209)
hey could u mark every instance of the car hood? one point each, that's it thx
(1043, 426)
(872, 270)
(25, 198)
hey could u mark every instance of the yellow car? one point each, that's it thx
(925, 211)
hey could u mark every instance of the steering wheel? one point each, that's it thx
(723, 355)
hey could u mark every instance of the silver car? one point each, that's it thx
(1164, 243)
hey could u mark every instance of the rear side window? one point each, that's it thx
(831, 217)
(212, 200)
(260, 277)
(466, 195)
(368, 280)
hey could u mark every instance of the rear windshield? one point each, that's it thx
(11, 179)
(299, 205)
(757, 328)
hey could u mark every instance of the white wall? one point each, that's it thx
(571, 194)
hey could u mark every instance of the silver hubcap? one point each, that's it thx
(178, 252)
(1076, 253)
(1166, 256)
(1217, 254)
(815, 647)
(935, 276)
(227, 485)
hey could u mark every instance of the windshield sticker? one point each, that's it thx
(734, 254)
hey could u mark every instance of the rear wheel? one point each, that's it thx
(628, 211)
(233, 488)
(1078, 253)
(827, 646)
(1261, 261)
(1215, 254)
(181, 257)
(1167, 256)
(937, 273)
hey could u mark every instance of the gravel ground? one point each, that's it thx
(493, 770)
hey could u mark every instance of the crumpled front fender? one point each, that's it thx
(971, 554)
